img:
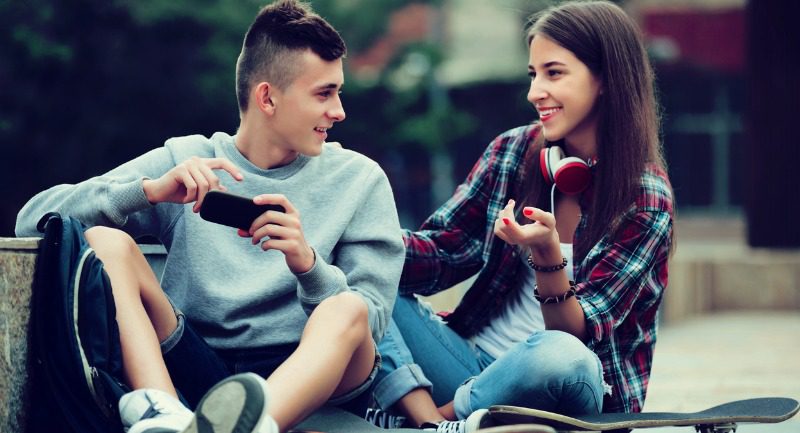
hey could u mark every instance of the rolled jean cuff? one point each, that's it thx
(176, 335)
(461, 404)
(399, 383)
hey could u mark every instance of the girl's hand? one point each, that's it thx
(189, 181)
(541, 234)
(283, 232)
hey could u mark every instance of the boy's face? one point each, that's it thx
(309, 106)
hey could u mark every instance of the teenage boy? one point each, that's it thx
(299, 299)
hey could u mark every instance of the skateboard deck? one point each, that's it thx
(722, 418)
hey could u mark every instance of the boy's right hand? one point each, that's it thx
(189, 181)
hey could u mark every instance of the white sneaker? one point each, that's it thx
(237, 404)
(153, 411)
(475, 421)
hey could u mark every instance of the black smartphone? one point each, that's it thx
(233, 210)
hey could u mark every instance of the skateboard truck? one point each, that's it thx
(729, 427)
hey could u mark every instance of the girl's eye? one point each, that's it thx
(553, 73)
(532, 74)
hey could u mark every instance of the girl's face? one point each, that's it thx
(564, 92)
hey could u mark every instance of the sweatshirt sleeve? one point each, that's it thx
(368, 258)
(114, 199)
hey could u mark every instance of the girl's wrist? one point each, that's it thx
(546, 255)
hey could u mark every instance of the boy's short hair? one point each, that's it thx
(279, 34)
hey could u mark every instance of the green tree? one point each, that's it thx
(89, 84)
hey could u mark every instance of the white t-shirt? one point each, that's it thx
(522, 315)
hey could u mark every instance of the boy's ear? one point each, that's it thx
(263, 97)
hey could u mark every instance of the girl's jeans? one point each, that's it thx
(551, 370)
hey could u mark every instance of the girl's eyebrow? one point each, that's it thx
(548, 64)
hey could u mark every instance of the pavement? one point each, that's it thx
(712, 359)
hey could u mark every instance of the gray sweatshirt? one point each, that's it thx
(233, 293)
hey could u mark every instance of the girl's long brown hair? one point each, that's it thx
(608, 42)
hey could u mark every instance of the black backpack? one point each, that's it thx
(77, 361)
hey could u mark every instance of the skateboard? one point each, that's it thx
(718, 419)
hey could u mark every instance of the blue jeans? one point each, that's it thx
(551, 370)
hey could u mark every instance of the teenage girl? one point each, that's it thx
(567, 223)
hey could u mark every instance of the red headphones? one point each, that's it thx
(570, 174)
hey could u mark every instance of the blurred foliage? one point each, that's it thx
(89, 84)
(361, 21)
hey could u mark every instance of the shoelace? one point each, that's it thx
(157, 407)
(383, 419)
(153, 410)
(451, 427)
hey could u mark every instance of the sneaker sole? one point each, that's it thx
(480, 422)
(154, 429)
(234, 405)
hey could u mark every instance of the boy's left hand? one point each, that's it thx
(283, 232)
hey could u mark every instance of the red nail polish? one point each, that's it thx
(506, 221)
(528, 212)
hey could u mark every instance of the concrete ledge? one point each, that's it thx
(711, 277)
(17, 265)
(19, 244)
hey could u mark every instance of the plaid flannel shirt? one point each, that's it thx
(620, 282)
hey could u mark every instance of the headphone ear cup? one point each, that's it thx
(549, 159)
(572, 175)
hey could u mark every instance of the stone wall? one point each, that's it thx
(711, 277)
(17, 262)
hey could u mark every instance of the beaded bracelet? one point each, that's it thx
(553, 268)
(554, 299)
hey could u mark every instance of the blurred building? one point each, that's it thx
(698, 50)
